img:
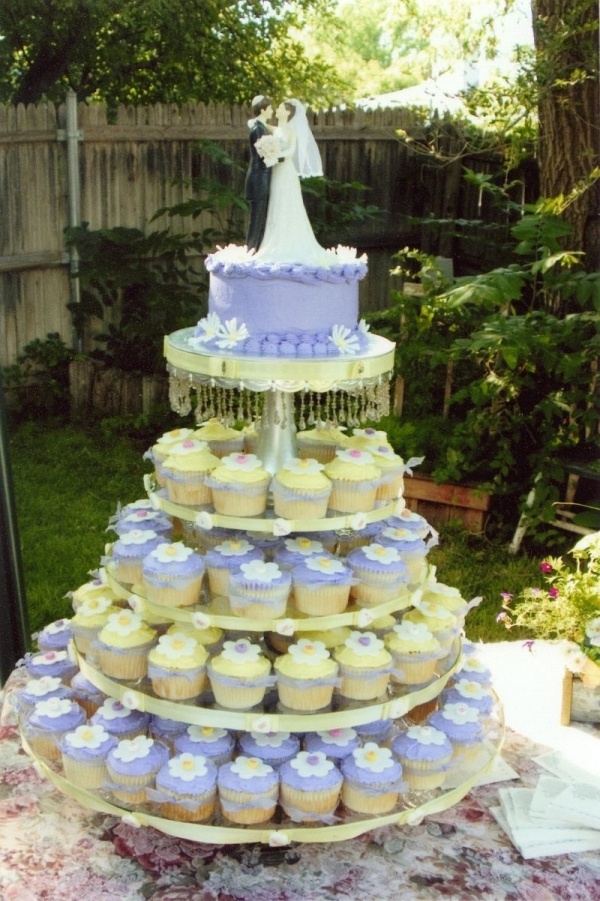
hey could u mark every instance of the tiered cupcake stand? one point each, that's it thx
(221, 383)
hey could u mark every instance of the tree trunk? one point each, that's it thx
(566, 40)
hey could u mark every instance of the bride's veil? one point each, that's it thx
(307, 158)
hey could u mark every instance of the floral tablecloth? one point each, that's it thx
(51, 848)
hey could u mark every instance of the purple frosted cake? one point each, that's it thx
(372, 780)
(186, 788)
(248, 790)
(215, 744)
(274, 748)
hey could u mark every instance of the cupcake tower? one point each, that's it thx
(283, 678)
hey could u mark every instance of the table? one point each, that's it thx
(50, 848)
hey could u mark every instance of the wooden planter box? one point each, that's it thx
(579, 704)
(440, 504)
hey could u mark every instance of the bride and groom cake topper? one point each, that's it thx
(279, 156)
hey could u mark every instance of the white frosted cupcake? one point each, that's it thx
(239, 486)
(177, 667)
(240, 675)
(172, 575)
(365, 666)
(301, 490)
(259, 590)
(306, 676)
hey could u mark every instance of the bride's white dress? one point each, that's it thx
(288, 237)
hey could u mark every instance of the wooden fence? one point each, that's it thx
(143, 159)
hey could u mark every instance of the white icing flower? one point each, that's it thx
(303, 466)
(364, 644)
(53, 707)
(381, 553)
(234, 547)
(437, 611)
(250, 767)
(473, 665)
(346, 254)
(311, 763)
(139, 516)
(325, 565)
(57, 627)
(87, 736)
(136, 748)
(400, 534)
(364, 618)
(385, 451)
(142, 504)
(469, 689)
(204, 521)
(261, 571)
(172, 553)
(241, 651)
(345, 341)
(356, 456)
(426, 735)
(209, 327)
(230, 334)
(270, 739)
(369, 434)
(357, 522)
(42, 686)
(189, 446)
(303, 545)
(172, 437)
(124, 623)
(413, 632)
(136, 603)
(187, 766)
(241, 462)
(113, 710)
(208, 734)
(93, 606)
(177, 645)
(262, 724)
(281, 527)
(234, 253)
(364, 326)
(49, 658)
(285, 627)
(309, 653)
(138, 537)
(201, 621)
(338, 737)
(460, 714)
(373, 758)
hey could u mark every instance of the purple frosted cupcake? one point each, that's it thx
(334, 743)
(475, 670)
(380, 574)
(372, 780)
(248, 790)
(132, 765)
(48, 722)
(461, 723)
(84, 754)
(379, 731)
(425, 755)
(55, 636)
(215, 744)
(274, 748)
(127, 553)
(186, 788)
(470, 691)
(51, 663)
(172, 575)
(259, 590)
(142, 520)
(310, 787)
(41, 689)
(227, 558)
(294, 551)
(322, 585)
(412, 548)
(165, 730)
(119, 721)
(86, 694)
(411, 521)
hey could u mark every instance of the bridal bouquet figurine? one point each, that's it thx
(269, 149)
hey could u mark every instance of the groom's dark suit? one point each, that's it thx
(258, 183)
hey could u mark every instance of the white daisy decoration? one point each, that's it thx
(345, 341)
(232, 334)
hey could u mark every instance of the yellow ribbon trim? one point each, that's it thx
(251, 721)
(259, 524)
(211, 365)
(268, 836)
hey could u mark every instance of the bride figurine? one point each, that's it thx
(288, 236)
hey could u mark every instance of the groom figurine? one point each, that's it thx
(258, 177)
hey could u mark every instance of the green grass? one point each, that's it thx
(68, 480)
